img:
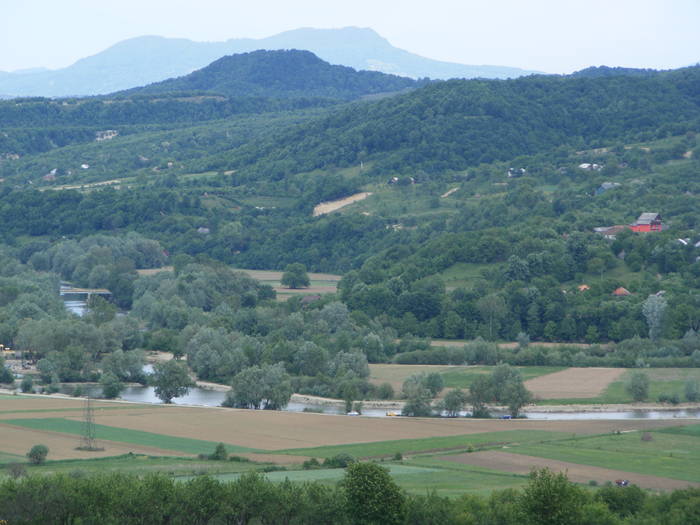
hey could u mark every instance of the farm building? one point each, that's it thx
(647, 222)
(621, 292)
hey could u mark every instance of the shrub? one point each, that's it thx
(638, 386)
(16, 470)
(27, 384)
(385, 391)
(220, 453)
(310, 464)
(673, 399)
(341, 460)
(37, 454)
(692, 390)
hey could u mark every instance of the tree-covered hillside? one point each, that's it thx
(278, 74)
(456, 124)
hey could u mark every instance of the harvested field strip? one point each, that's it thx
(522, 464)
(413, 446)
(668, 455)
(76, 409)
(17, 441)
(124, 435)
(573, 383)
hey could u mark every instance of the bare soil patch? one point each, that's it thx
(520, 464)
(448, 193)
(331, 206)
(10, 406)
(16, 440)
(573, 383)
(271, 275)
(153, 271)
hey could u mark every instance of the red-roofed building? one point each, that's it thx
(621, 292)
(647, 222)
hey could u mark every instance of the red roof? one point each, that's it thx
(622, 292)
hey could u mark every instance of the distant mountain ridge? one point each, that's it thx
(278, 74)
(144, 60)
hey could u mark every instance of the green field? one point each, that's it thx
(668, 455)
(413, 446)
(125, 435)
(462, 378)
(137, 464)
(414, 476)
(462, 275)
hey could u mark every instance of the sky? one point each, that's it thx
(553, 36)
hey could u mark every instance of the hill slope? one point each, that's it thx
(144, 60)
(279, 74)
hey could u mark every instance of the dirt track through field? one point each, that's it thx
(520, 464)
(573, 383)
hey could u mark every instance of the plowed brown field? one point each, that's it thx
(281, 430)
(573, 383)
(521, 464)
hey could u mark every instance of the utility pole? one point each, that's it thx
(87, 440)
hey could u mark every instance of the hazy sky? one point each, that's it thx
(556, 36)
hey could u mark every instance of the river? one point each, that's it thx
(74, 302)
(213, 398)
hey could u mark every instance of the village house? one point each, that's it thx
(647, 222)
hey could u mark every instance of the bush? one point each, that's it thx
(27, 384)
(310, 464)
(673, 399)
(341, 460)
(385, 391)
(111, 385)
(692, 390)
(220, 453)
(638, 386)
(16, 470)
(37, 454)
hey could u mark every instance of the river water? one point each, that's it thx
(213, 398)
(74, 302)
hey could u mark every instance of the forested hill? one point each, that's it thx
(279, 74)
(460, 123)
